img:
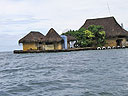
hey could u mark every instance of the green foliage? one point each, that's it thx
(79, 35)
(99, 34)
(88, 37)
(89, 34)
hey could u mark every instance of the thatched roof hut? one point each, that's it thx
(111, 27)
(52, 36)
(33, 36)
(71, 38)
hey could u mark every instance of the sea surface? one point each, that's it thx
(80, 73)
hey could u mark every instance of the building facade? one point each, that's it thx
(32, 41)
(115, 34)
(52, 41)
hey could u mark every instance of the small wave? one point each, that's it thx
(19, 88)
(11, 70)
(70, 81)
(106, 94)
(80, 71)
(26, 57)
(2, 93)
(1, 58)
(57, 88)
(89, 94)
(44, 84)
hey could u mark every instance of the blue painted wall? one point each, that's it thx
(65, 45)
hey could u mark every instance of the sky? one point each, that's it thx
(19, 17)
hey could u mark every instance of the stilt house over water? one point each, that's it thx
(115, 34)
(53, 41)
(32, 41)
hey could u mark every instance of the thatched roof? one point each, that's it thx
(33, 36)
(71, 38)
(53, 36)
(111, 27)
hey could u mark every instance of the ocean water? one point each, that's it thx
(80, 73)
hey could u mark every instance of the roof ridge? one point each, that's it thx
(53, 36)
(35, 32)
(32, 37)
(102, 18)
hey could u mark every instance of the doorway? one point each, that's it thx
(119, 42)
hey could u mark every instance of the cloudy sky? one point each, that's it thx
(19, 17)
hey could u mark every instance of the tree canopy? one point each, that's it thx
(93, 36)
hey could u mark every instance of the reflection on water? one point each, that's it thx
(83, 73)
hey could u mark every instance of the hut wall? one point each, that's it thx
(55, 46)
(29, 46)
(58, 46)
(124, 40)
(42, 46)
(49, 47)
(111, 42)
(127, 43)
(68, 45)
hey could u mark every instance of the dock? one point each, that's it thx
(50, 51)
(68, 50)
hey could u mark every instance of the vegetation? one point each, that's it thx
(98, 33)
(93, 36)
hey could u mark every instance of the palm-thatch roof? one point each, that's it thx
(111, 27)
(52, 36)
(33, 36)
(71, 38)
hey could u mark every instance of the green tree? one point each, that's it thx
(79, 35)
(97, 30)
(88, 37)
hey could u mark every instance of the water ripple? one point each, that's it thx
(83, 73)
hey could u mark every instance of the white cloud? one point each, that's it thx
(18, 17)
